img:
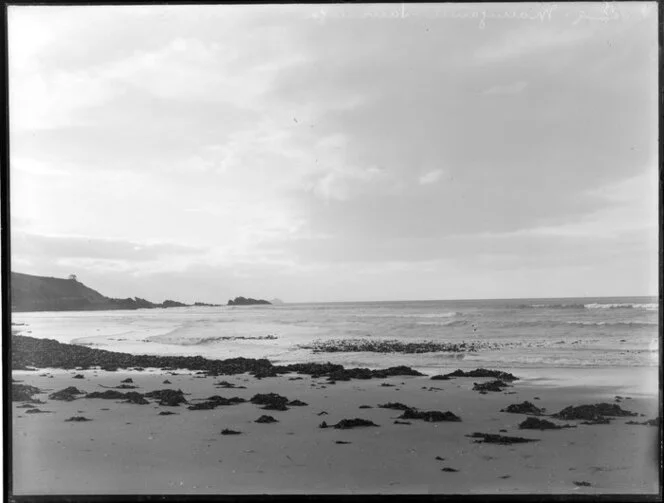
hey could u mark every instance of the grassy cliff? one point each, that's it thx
(39, 293)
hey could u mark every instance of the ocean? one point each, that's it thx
(516, 333)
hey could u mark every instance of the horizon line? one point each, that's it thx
(656, 296)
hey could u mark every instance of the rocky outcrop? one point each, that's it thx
(172, 303)
(244, 301)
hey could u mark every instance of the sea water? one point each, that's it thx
(518, 333)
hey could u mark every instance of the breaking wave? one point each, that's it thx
(550, 306)
(450, 314)
(618, 324)
(623, 305)
(647, 307)
(449, 323)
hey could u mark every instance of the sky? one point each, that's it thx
(322, 153)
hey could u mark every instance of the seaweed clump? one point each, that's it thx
(492, 438)
(594, 414)
(68, 394)
(431, 416)
(346, 424)
(24, 393)
(533, 423)
(523, 408)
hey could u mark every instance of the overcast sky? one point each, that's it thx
(331, 153)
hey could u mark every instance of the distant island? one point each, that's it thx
(205, 304)
(40, 293)
(243, 301)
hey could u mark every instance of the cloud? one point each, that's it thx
(534, 39)
(431, 176)
(305, 153)
(43, 247)
(344, 182)
(513, 88)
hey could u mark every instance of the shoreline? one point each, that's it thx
(153, 448)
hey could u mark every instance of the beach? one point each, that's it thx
(128, 448)
(446, 372)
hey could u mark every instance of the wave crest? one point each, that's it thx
(624, 305)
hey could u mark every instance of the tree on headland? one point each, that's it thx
(73, 277)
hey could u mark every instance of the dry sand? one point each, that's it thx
(131, 449)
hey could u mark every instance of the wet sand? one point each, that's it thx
(131, 449)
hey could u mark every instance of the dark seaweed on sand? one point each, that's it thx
(266, 419)
(23, 392)
(395, 406)
(533, 423)
(77, 419)
(492, 438)
(226, 384)
(107, 395)
(494, 386)
(216, 401)
(395, 346)
(523, 408)
(431, 416)
(496, 374)
(135, 398)
(346, 424)
(593, 413)
(270, 401)
(649, 422)
(42, 353)
(226, 431)
(168, 397)
(67, 394)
